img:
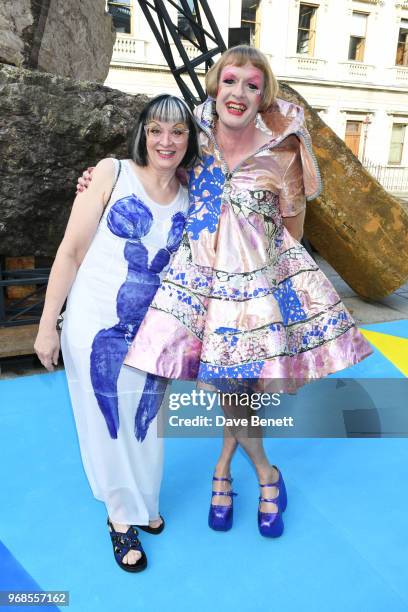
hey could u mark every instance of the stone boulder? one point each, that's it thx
(357, 226)
(73, 39)
(51, 129)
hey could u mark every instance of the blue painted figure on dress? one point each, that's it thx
(130, 219)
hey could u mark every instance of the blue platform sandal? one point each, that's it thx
(270, 524)
(122, 543)
(220, 517)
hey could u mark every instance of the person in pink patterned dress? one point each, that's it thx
(243, 299)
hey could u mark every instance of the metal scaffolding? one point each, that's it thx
(206, 40)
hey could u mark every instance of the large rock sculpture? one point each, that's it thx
(70, 38)
(357, 226)
(51, 129)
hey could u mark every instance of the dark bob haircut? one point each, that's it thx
(169, 109)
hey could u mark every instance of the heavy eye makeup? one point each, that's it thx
(253, 82)
(229, 77)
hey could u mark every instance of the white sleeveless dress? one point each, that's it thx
(115, 407)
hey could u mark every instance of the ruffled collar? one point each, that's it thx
(280, 120)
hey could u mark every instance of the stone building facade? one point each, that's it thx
(348, 58)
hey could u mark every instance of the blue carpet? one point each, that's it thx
(344, 546)
(13, 577)
(394, 328)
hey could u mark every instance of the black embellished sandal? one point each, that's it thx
(153, 530)
(122, 543)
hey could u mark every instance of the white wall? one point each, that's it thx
(328, 80)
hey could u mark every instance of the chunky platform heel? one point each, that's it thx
(220, 517)
(270, 524)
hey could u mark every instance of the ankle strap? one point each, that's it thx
(273, 484)
(223, 479)
(270, 484)
(266, 499)
(226, 493)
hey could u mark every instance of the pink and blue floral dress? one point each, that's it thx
(242, 298)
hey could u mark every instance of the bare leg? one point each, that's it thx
(223, 469)
(265, 471)
(251, 440)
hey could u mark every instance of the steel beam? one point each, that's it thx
(206, 40)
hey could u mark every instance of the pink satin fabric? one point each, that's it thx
(242, 297)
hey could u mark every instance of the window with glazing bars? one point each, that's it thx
(183, 24)
(248, 32)
(397, 143)
(402, 46)
(358, 37)
(306, 29)
(122, 15)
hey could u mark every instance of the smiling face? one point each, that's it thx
(239, 95)
(166, 144)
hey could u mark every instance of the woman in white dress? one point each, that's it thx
(117, 246)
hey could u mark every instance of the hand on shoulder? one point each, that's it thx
(100, 181)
